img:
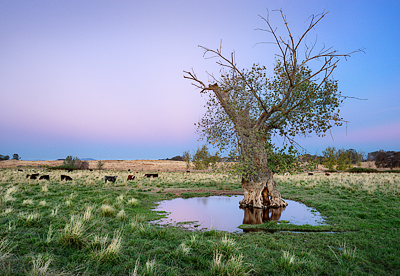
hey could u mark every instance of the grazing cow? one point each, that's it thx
(44, 177)
(310, 174)
(131, 177)
(32, 176)
(91, 170)
(20, 170)
(110, 178)
(151, 175)
(66, 177)
(327, 174)
(70, 170)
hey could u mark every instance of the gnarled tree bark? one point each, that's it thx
(258, 183)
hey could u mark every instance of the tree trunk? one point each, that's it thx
(258, 182)
(261, 194)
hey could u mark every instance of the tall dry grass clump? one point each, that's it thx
(74, 232)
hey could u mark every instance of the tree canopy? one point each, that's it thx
(256, 104)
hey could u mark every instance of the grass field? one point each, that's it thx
(86, 227)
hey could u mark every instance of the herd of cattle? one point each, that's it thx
(68, 178)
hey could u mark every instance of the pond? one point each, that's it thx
(224, 213)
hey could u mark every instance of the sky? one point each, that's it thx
(104, 79)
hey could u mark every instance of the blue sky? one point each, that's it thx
(104, 79)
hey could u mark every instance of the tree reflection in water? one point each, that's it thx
(258, 216)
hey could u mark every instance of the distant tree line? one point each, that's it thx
(385, 159)
(6, 157)
(289, 160)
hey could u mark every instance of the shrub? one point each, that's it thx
(99, 165)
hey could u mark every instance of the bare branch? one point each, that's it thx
(231, 64)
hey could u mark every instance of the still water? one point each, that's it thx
(223, 213)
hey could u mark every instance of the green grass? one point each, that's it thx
(84, 227)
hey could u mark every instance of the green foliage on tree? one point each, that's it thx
(330, 157)
(73, 163)
(99, 165)
(202, 159)
(70, 161)
(4, 157)
(387, 159)
(246, 108)
(186, 157)
(16, 156)
(341, 159)
(287, 159)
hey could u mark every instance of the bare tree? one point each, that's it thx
(246, 108)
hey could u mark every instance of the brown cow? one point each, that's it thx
(131, 177)
(327, 174)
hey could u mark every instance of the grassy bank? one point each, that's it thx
(86, 227)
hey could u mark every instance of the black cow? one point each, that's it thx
(310, 174)
(110, 178)
(44, 177)
(20, 170)
(151, 175)
(32, 176)
(66, 177)
(70, 170)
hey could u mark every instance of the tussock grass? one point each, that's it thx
(74, 232)
(121, 215)
(234, 266)
(135, 222)
(183, 249)
(225, 246)
(112, 251)
(30, 219)
(107, 210)
(8, 196)
(40, 265)
(133, 202)
(50, 234)
(5, 248)
(87, 215)
(45, 188)
(7, 211)
(27, 202)
(346, 257)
